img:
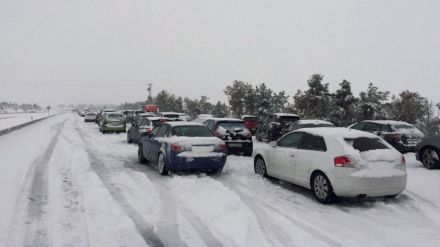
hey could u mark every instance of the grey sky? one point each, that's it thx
(55, 51)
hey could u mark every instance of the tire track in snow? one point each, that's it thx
(145, 229)
(253, 203)
(170, 203)
(36, 230)
(267, 225)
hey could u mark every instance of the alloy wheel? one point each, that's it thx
(320, 187)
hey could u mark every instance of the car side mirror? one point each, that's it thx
(273, 144)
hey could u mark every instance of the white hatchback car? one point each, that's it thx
(334, 162)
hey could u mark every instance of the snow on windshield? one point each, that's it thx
(115, 117)
(192, 131)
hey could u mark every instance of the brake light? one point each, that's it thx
(149, 130)
(343, 161)
(403, 161)
(177, 148)
(223, 147)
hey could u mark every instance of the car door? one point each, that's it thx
(282, 157)
(147, 143)
(155, 143)
(311, 154)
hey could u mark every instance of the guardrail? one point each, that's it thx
(9, 130)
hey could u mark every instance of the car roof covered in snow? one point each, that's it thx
(181, 123)
(280, 114)
(146, 114)
(391, 122)
(313, 121)
(243, 116)
(228, 119)
(337, 132)
(169, 112)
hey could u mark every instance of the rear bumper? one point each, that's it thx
(404, 148)
(188, 164)
(352, 186)
(113, 128)
(235, 147)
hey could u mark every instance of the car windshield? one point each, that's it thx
(115, 117)
(364, 144)
(232, 125)
(156, 122)
(192, 131)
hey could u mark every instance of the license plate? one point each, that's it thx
(202, 149)
(234, 145)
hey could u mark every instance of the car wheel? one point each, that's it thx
(161, 166)
(322, 188)
(260, 166)
(141, 157)
(430, 158)
(129, 139)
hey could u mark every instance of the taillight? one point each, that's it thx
(177, 148)
(403, 161)
(149, 130)
(343, 161)
(223, 147)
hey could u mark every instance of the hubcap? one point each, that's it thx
(429, 158)
(321, 187)
(260, 167)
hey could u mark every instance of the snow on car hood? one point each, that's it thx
(190, 141)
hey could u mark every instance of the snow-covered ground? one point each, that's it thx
(14, 119)
(66, 184)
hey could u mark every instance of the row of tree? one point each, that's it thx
(15, 107)
(340, 107)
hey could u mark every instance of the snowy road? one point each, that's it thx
(66, 184)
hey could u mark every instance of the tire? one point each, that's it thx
(322, 188)
(141, 157)
(161, 165)
(260, 167)
(129, 139)
(430, 158)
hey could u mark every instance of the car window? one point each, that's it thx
(291, 140)
(364, 144)
(209, 124)
(144, 122)
(359, 126)
(312, 142)
(154, 132)
(232, 125)
(162, 131)
(371, 127)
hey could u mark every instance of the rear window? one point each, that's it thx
(315, 125)
(156, 122)
(251, 119)
(403, 126)
(192, 131)
(288, 119)
(364, 144)
(312, 142)
(171, 115)
(115, 117)
(232, 125)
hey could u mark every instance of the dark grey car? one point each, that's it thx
(428, 151)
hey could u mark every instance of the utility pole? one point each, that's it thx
(150, 98)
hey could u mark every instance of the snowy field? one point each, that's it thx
(14, 119)
(70, 185)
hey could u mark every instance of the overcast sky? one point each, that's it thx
(105, 51)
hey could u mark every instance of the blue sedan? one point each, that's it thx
(182, 147)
